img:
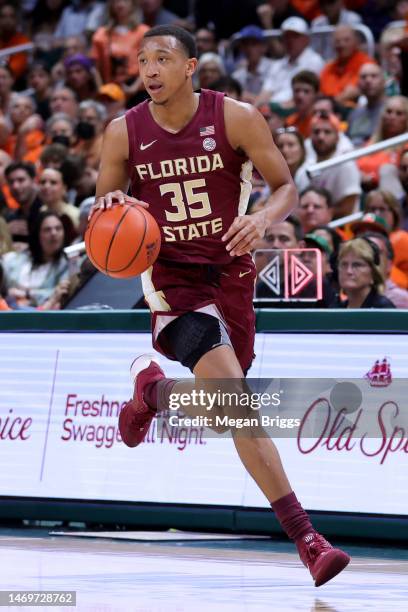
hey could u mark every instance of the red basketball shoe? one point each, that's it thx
(323, 561)
(136, 416)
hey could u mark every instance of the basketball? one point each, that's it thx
(122, 241)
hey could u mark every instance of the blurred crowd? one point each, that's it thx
(329, 76)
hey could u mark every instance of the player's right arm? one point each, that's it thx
(113, 178)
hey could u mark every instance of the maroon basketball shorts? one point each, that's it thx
(225, 291)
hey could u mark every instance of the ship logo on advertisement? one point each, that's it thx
(209, 144)
(380, 374)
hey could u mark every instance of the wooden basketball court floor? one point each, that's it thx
(114, 575)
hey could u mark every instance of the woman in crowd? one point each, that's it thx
(393, 122)
(360, 276)
(81, 77)
(290, 143)
(118, 42)
(210, 69)
(92, 118)
(52, 193)
(385, 205)
(35, 277)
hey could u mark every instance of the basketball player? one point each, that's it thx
(189, 155)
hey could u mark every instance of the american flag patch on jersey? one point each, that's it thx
(207, 131)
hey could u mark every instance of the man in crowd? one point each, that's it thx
(315, 208)
(305, 87)
(363, 119)
(255, 67)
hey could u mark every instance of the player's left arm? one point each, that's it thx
(248, 132)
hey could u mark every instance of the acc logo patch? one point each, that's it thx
(209, 144)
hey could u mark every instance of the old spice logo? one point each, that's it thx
(380, 374)
(336, 432)
(13, 427)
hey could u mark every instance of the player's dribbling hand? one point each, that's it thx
(115, 197)
(244, 233)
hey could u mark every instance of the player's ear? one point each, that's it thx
(191, 66)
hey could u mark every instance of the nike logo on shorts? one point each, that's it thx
(146, 146)
(241, 274)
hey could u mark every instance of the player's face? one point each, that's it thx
(164, 67)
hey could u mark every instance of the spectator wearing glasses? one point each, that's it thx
(360, 276)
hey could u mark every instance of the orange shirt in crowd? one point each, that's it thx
(18, 63)
(302, 124)
(399, 273)
(107, 44)
(10, 201)
(371, 164)
(336, 76)
(34, 144)
(309, 8)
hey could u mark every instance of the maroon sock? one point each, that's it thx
(156, 395)
(293, 519)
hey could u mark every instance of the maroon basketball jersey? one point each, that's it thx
(194, 181)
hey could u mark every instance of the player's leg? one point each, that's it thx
(192, 335)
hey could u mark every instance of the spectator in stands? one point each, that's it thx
(231, 87)
(305, 87)
(360, 276)
(52, 193)
(20, 177)
(63, 100)
(285, 235)
(119, 40)
(334, 13)
(310, 260)
(39, 82)
(363, 120)
(205, 41)
(315, 208)
(339, 78)
(53, 155)
(6, 87)
(27, 136)
(7, 202)
(81, 77)
(393, 121)
(32, 276)
(10, 37)
(80, 17)
(44, 20)
(84, 184)
(299, 56)
(387, 207)
(113, 99)
(290, 143)
(274, 12)
(254, 68)
(328, 105)
(333, 237)
(403, 177)
(342, 181)
(89, 130)
(75, 45)
(210, 68)
(60, 129)
(154, 14)
(398, 296)
(6, 242)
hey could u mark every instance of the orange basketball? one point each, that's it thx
(122, 241)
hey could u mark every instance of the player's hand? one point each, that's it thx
(115, 197)
(244, 233)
